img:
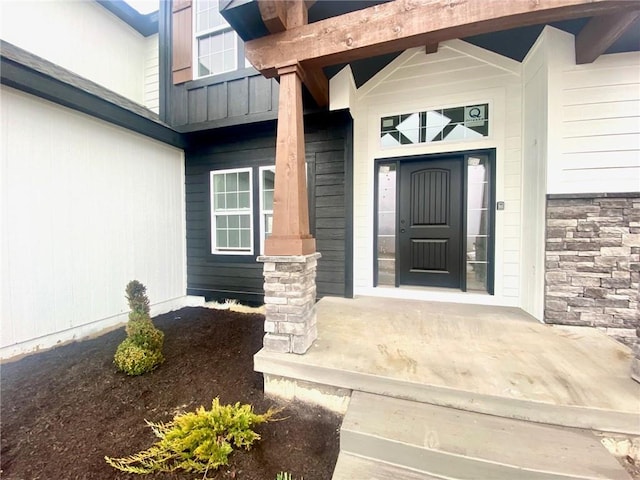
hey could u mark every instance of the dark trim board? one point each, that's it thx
(26, 72)
(145, 25)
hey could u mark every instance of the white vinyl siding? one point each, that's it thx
(458, 74)
(152, 75)
(83, 37)
(85, 207)
(600, 126)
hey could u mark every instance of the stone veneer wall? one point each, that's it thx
(593, 263)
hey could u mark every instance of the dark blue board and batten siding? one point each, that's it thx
(240, 97)
(328, 154)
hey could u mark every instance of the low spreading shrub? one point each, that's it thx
(141, 351)
(197, 441)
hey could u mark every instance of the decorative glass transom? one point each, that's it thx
(446, 124)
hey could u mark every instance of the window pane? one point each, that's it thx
(232, 200)
(229, 39)
(478, 240)
(268, 224)
(234, 221)
(221, 238)
(229, 62)
(245, 238)
(232, 182)
(221, 221)
(245, 221)
(220, 201)
(219, 182)
(243, 201)
(268, 179)
(477, 276)
(234, 239)
(243, 182)
(267, 200)
(386, 234)
(204, 66)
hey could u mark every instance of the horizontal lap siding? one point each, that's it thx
(328, 215)
(241, 277)
(600, 142)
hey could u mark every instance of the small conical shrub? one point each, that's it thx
(141, 351)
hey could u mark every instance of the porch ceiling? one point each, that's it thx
(514, 43)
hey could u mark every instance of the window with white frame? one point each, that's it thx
(267, 182)
(231, 212)
(216, 44)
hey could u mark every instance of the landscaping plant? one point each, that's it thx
(141, 351)
(196, 441)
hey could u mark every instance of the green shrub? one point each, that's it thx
(141, 351)
(137, 297)
(144, 334)
(196, 441)
(133, 359)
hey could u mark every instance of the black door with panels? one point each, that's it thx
(430, 224)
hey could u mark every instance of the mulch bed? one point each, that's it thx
(64, 409)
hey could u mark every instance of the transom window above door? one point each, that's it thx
(445, 124)
(216, 44)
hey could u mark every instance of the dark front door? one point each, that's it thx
(430, 222)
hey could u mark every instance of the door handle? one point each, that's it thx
(402, 230)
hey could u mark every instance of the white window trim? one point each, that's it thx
(197, 35)
(263, 212)
(212, 212)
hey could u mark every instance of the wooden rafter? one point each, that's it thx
(279, 16)
(402, 24)
(600, 33)
(431, 48)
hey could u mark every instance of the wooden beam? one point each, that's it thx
(317, 83)
(280, 15)
(600, 33)
(402, 24)
(274, 15)
(290, 234)
(431, 48)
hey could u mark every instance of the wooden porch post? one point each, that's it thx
(290, 234)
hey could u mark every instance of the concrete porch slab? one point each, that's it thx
(493, 360)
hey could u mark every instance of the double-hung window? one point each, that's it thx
(231, 212)
(233, 199)
(216, 44)
(267, 181)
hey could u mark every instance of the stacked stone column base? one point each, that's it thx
(289, 298)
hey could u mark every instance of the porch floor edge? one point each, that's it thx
(485, 359)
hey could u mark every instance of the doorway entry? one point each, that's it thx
(434, 221)
(430, 222)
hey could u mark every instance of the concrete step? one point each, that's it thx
(461, 445)
(353, 467)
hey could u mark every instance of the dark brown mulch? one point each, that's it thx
(63, 410)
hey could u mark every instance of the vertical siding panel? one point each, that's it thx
(259, 94)
(197, 105)
(108, 209)
(217, 101)
(238, 97)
